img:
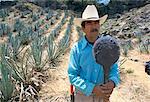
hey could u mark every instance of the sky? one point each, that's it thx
(105, 2)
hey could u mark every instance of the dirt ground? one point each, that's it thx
(135, 83)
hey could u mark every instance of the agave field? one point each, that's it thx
(33, 40)
(28, 48)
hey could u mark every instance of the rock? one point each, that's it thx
(147, 67)
(125, 28)
(146, 30)
(114, 32)
(136, 60)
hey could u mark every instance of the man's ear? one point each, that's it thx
(83, 28)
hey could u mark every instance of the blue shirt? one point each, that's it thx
(84, 73)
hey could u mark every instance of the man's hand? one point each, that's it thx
(108, 87)
(98, 91)
(105, 90)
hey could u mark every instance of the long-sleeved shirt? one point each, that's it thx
(83, 71)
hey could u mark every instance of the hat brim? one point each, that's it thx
(78, 21)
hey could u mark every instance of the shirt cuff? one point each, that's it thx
(115, 80)
(89, 89)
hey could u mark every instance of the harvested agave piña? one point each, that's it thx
(106, 52)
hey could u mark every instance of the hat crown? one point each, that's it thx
(90, 12)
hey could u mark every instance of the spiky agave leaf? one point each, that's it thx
(15, 44)
(3, 14)
(37, 51)
(6, 85)
(144, 46)
(64, 42)
(4, 29)
(35, 17)
(18, 25)
(11, 64)
(49, 15)
(54, 52)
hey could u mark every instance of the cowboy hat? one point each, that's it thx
(90, 13)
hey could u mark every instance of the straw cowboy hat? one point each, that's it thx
(90, 13)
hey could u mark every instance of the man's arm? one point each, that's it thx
(81, 84)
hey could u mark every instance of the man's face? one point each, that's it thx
(92, 28)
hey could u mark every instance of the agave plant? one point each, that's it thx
(56, 30)
(80, 33)
(4, 29)
(41, 12)
(144, 46)
(71, 20)
(6, 85)
(126, 46)
(66, 13)
(26, 35)
(22, 74)
(63, 20)
(125, 50)
(40, 22)
(52, 21)
(47, 26)
(3, 14)
(4, 50)
(49, 15)
(7, 59)
(54, 33)
(58, 16)
(64, 42)
(18, 25)
(36, 52)
(23, 15)
(40, 31)
(54, 52)
(138, 35)
(15, 46)
(35, 17)
(36, 26)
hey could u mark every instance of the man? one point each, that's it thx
(84, 73)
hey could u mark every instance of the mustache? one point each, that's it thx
(94, 30)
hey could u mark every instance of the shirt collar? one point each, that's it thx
(84, 42)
